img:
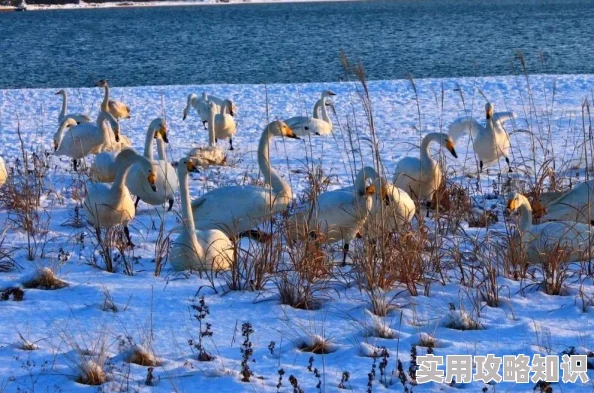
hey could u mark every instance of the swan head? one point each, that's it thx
(186, 165)
(192, 98)
(515, 200)
(159, 127)
(232, 108)
(370, 190)
(489, 110)
(101, 83)
(328, 93)
(61, 92)
(151, 178)
(280, 128)
(448, 142)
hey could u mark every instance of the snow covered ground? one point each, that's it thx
(155, 311)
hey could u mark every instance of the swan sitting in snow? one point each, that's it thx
(421, 177)
(200, 250)
(573, 239)
(305, 125)
(211, 155)
(489, 142)
(576, 204)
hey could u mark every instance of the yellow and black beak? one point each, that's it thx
(191, 167)
(450, 147)
(151, 179)
(370, 190)
(55, 145)
(291, 134)
(385, 196)
(511, 204)
(331, 93)
(163, 132)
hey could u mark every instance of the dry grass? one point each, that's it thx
(44, 278)
(16, 293)
(139, 355)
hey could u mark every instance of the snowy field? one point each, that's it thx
(64, 325)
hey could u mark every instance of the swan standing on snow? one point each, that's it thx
(338, 215)
(202, 106)
(166, 177)
(573, 239)
(236, 209)
(210, 155)
(118, 109)
(224, 123)
(305, 125)
(3, 172)
(84, 139)
(421, 177)
(489, 142)
(107, 206)
(197, 250)
(576, 204)
(78, 117)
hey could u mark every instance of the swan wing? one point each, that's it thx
(503, 116)
(305, 125)
(459, 127)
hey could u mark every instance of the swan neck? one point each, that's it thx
(525, 216)
(211, 128)
(64, 105)
(187, 214)
(271, 177)
(60, 134)
(105, 103)
(325, 115)
(161, 149)
(148, 143)
(425, 155)
(121, 175)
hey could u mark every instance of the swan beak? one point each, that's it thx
(385, 196)
(57, 93)
(55, 145)
(450, 147)
(117, 137)
(317, 133)
(538, 207)
(191, 167)
(511, 204)
(331, 93)
(151, 179)
(370, 190)
(163, 131)
(488, 115)
(185, 115)
(290, 133)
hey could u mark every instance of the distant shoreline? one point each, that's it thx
(143, 4)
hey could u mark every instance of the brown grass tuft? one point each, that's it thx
(44, 278)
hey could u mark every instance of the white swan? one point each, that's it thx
(392, 208)
(305, 125)
(211, 155)
(118, 109)
(197, 250)
(201, 105)
(224, 123)
(576, 204)
(84, 139)
(3, 172)
(236, 209)
(166, 177)
(107, 206)
(572, 239)
(78, 117)
(489, 142)
(338, 215)
(421, 177)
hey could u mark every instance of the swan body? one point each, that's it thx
(236, 209)
(107, 206)
(224, 123)
(573, 239)
(166, 178)
(305, 125)
(103, 168)
(201, 105)
(421, 177)
(84, 139)
(489, 142)
(3, 172)
(210, 155)
(337, 215)
(118, 109)
(77, 117)
(576, 204)
(196, 250)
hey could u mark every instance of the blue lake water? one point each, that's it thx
(281, 43)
